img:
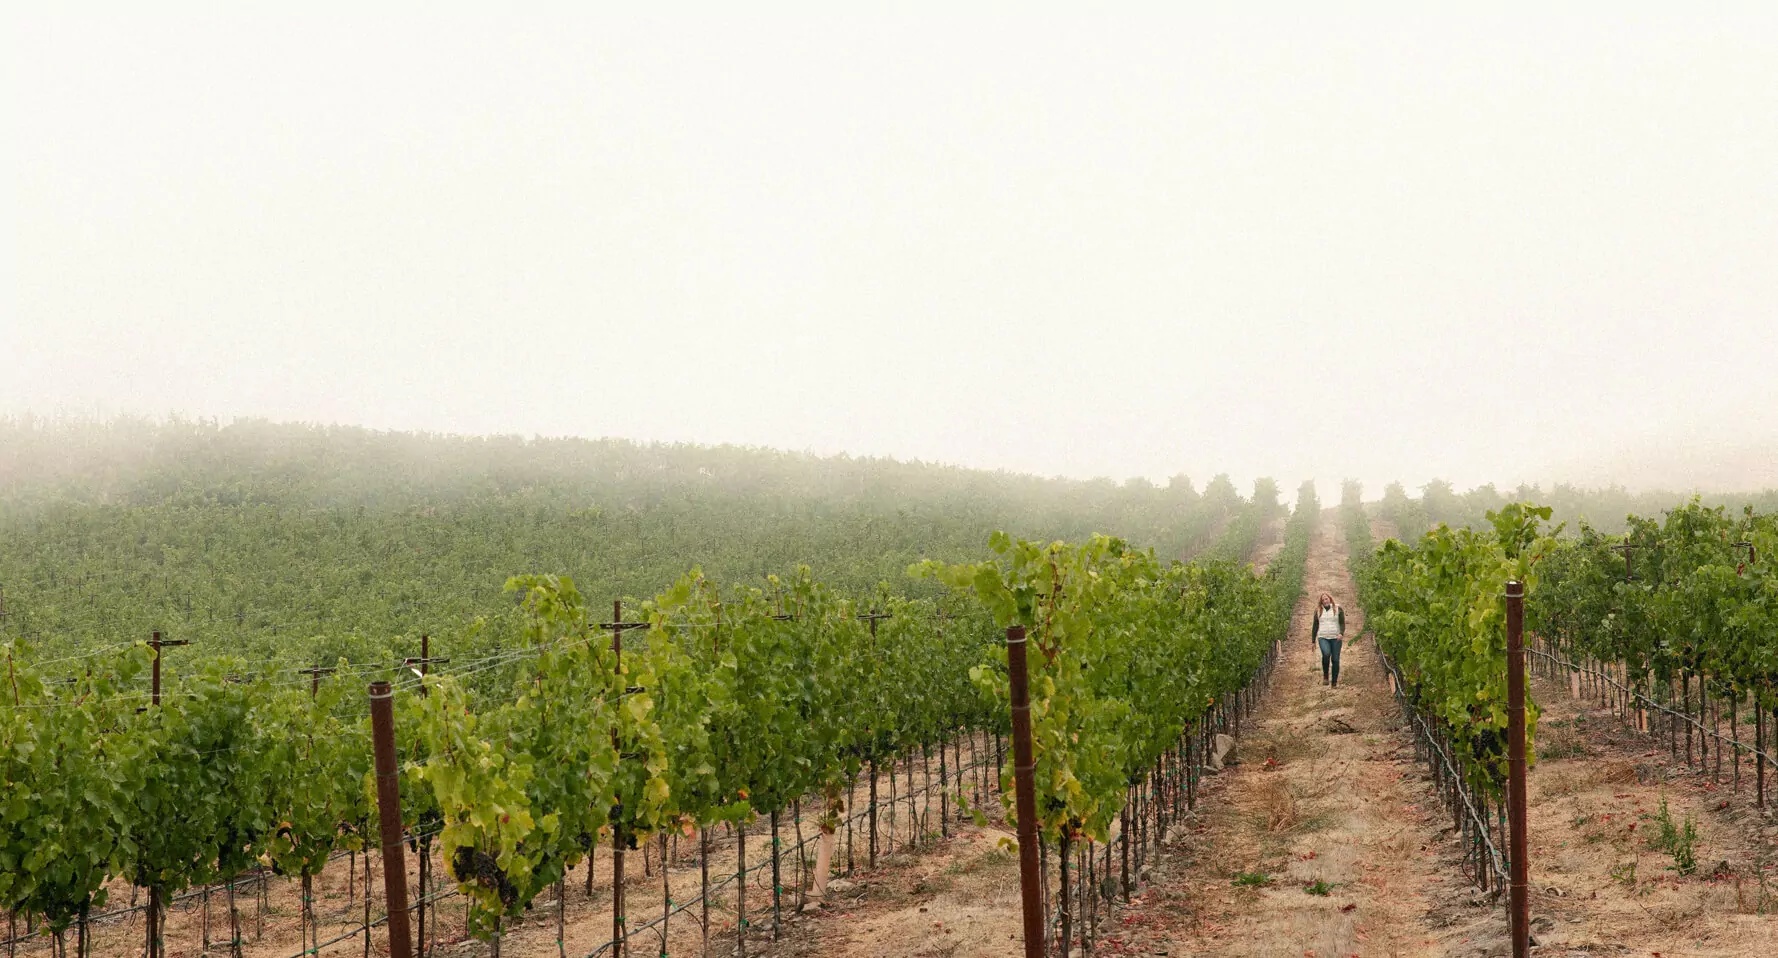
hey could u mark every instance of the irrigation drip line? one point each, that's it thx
(1653, 705)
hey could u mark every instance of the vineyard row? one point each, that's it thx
(703, 710)
(1672, 624)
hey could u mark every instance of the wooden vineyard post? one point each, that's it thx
(617, 828)
(872, 618)
(1124, 842)
(741, 890)
(382, 727)
(314, 675)
(619, 944)
(1066, 913)
(422, 666)
(155, 918)
(871, 861)
(1519, 915)
(944, 794)
(1759, 752)
(1025, 792)
(851, 807)
(777, 882)
(704, 883)
(157, 644)
(666, 895)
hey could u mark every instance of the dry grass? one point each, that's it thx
(1560, 779)
(1559, 740)
(1276, 805)
(1593, 821)
(1280, 746)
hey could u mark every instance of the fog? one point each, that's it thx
(1489, 250)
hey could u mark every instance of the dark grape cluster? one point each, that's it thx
(473, 864)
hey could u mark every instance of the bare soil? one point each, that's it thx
(1597, 870)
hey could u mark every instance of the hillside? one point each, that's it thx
(246, 534)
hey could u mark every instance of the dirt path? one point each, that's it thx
(1328, 790)
(1323, 840)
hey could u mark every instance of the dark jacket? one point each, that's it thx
(1315, 622)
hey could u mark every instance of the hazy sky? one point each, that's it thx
(1380, 248)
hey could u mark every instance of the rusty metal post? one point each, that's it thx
(1025, 792)
(382, 732)
(1519, 916)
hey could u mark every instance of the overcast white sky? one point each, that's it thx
(1382, 248)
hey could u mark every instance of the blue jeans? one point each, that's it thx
(1330, 659)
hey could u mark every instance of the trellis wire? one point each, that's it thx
(716, 887)
(1461, 797)
(1651, 705)
(246, 878)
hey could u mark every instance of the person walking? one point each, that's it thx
(1328, 630)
